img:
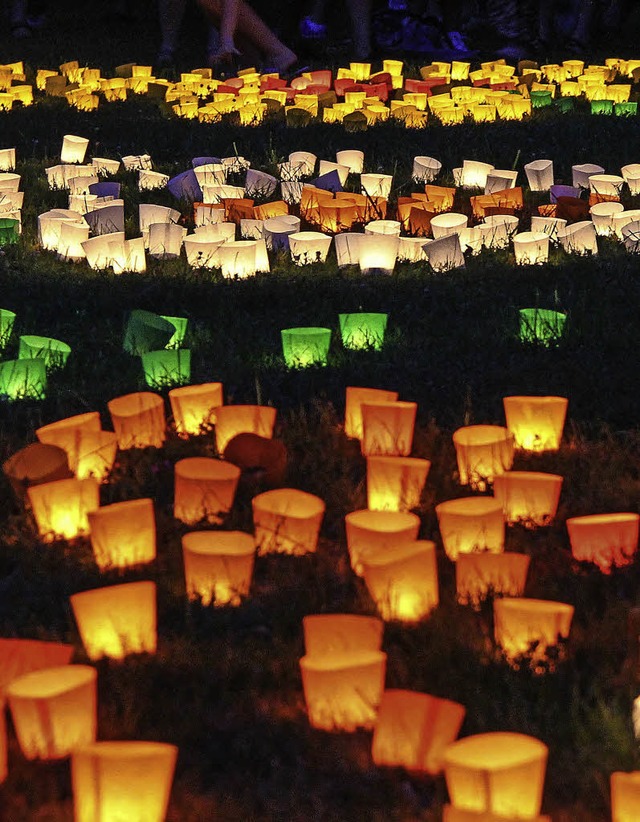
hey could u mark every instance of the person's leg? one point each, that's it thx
(171, 14)
(360, 14)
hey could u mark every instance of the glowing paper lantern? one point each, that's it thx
(352, 158)
(470, 524)
(551, 225)
(631, 175)
(473, 174)
(122, 780)
(73, 149)
(425, 169)
(581, 174)
(539, 174)
(355, 397)
(305, 346)
(541, 325)
(482, 452)
(377, 252)
(395, 483)
(376, 185)
(445, 253)
(528, 497)
(579, 238)
(276, 230)
(443, 225)
(138, 420)
(606, 185)
(602, 216)
(370, 533)
(413, 729)
(239, 419)
(60, 508)
(308, 247)
(194, 407)
(536, 423)
(218, 566)
(7, 159)
(238, 258)
(204, 489)
(387, 428)
(90, 451)
(35, 464)
(7, 320)
(531, 247)
(23, 379)
(625, 796)
(606, 539)
(123, 533)
(481, 575)
(54, 352)
(9, 231)
(496, 230)
(117, 620)
(499, 772)
(146, 331)
(167, 367)
(530, 626)
(54, 710)
(403, 582)
(287, 521)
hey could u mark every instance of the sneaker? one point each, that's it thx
(310, 30)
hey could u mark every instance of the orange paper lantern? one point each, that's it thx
(123, 533)
(479, 575)
(530, 626)
(91, 452)
(528, 497)
(387, 428)
(536, 423)
(606, 539)
(204, 489)
(287, 521)
(378, 532)
(471, 524)
(240, 419)
(353, 410)
(625, 796)
(36, 464)
(482, 452)
(138, 420)
(218, 566)
(194, 407)
(395, 483)
(61, 508)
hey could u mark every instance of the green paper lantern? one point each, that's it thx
(147, 331)
(602, 106)
(541, 325)
(180, 324)
(305, 346)
(564, 104)
(363, 330)
(7, 319)
(168, 366)
(23, 379)
(55, 353)
(625, 109)
(541, 99)
(9, 230)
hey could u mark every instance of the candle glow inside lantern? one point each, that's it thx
(232, 420)
(355, 397)
(471, 524)
(499, 772)
(536, 423)
(403, 582)
(481, 575)
(529, 627)
(482, 452)
(625, 796)
(123, 533)
(115, 781)
(531, 247)
(218, 566)
(395, 483)
(90, 451)
(363, 330)
(138, 420)
(343, 670)
(287, 521)
(194, 407)
(377, 252)
(204, 489)
(54, 710)
(306, 346)
(308, 247)
(117, 620)
(528, 497)
(541, 325)
(413, 729)
(61, 507)
(387, 428)
(378, 532)
(73, 149)
(606, 539)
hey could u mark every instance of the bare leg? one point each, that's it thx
(360, 14)
(171, 13)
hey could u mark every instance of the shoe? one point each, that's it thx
(310, 30)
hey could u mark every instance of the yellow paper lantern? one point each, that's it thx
(387, 428)
(482, 452)
(413, 729)
(370, 533)
(606, 539)
(138, 420)
(403, 582)
(117, 620)
(218, 566)
(61, 508)
(536, 423)
(123, 533)
(232, 420)
(54, 710)
(471, 524)
(116, 781)
(395, 483)
(480, 575)
(528, 497)
(625, 796)
(287, 521)
(499, 772)
(204, 489)
(355, 397)
(530, 626)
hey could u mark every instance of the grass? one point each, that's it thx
(225, 683)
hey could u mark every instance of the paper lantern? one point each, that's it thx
(496, 230)
(305, 346)
(528, 497)
(204, 489)
(376, 185)
(60, 508)
(531, 247)
(22, 656)
(54, 710)
(194, 407)
(138, 420)
(167, 367)
(387, 428)
(581, 174)
(631, 175)
(73, 149)
(445, 253)
(117, 620)
(113, 781)
(536, 423)
(539, 174)
(606, 539)
(550, 225)
(362, 330)
(90, 451)
(54, 352)
(499, 772)
(482, 452)
(305, 159)
(352, 158)
(541, 325)
(625, 796)
(413, 729)
(287, 521)
(395, 483)
(123, 533)
(240, 419)
(238, 258)
(308, 247)
(370, 533)
(218, 566)
(9, 231)
(473, 174)
(602, 216)
(146, 331)
(377, 252)
(481, 575)
(391, 227)
(403, 581)
(35, 464)
(425, 169)
(164, 240)
(7, 320)
(579, 238)
(470, 524)
(201, 252)
(606, 185)
(530, 626)
(355, 397)
(7, 159)
(276, 230)
(443, 225)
